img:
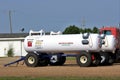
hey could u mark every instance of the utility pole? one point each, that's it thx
(10, 20)
(83, 23)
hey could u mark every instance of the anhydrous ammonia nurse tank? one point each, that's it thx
(49, 49)
(108, 49)
(109, 43)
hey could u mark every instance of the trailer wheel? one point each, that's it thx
(117, 56)
(57, 59)
(43, 59)
(107, 58)
(96, 59)
(111, 59)
(104, 58)
(62, 60)
(31, 60)
(84, 59)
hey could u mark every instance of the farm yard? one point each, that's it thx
(49, 32)
(69, 69)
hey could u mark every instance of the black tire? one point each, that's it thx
(97, 59)
(117, 56)
(31, 60)
(84, 59)
(57, 59)
(43, 59)
(111, 59)
(61, 59)
(104, 58)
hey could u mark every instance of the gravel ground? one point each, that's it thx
(70, 68)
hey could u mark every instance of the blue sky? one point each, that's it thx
(56, 15)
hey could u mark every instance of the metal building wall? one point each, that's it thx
(17, 46)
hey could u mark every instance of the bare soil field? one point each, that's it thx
(70, 68)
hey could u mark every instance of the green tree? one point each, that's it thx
(89, 30)
(71, 30)
(95, 30)
(85, 30)
(10, 52)
(81, 30)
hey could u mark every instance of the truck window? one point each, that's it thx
(107, 32)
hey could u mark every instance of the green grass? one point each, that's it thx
(60, 78)
(71, 58)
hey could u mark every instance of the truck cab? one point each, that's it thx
(108, 32)
(112, 31)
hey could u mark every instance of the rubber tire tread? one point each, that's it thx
(89, 60)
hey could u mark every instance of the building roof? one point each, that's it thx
(13, 35)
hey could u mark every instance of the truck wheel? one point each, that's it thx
(104, 58)
(57, 59)
(31, 60)
(84, 59)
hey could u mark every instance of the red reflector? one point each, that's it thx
(93, 57)
(29, 44)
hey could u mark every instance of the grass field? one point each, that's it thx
(71, 58)
(60, 78)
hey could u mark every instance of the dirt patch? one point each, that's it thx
(70, 68)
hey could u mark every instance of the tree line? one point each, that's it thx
(72, 29)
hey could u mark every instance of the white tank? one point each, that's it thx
(109, 43)
(38, 41)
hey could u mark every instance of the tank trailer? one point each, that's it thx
(88, 48)
(51, 49)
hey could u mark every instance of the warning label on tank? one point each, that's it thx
(38, 44)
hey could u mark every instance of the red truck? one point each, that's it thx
(110, 55)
